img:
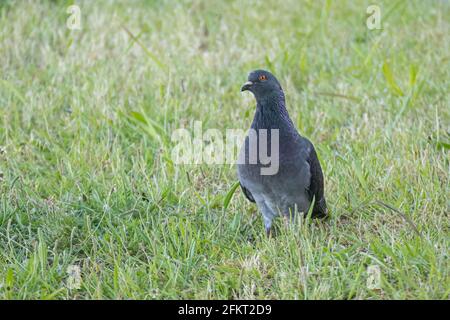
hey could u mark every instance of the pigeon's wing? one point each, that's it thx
(316, 189)
(247, 193)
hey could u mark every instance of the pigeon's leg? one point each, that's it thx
(288, 214)
(267, 216)
(286, 220)
(268, 226)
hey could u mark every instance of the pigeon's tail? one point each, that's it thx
(320, 209)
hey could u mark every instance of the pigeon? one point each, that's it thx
(298, 180)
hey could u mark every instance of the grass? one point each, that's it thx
(86, 181)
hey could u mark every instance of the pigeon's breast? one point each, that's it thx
(281, 191)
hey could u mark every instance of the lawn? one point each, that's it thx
(93, 207)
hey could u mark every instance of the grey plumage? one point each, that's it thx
(299, 179)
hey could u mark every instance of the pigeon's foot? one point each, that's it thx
(269, 232)
(286, 221)
(268, 225)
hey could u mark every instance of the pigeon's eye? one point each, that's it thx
(262, 77)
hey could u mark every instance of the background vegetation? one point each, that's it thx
(86, 181)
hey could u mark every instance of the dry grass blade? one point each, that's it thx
(406, 218)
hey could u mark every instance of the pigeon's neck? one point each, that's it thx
(271, 113)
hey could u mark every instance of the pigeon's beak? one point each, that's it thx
(247, 86)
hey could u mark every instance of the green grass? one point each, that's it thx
(86, 118)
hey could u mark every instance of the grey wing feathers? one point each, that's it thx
(316, 188)
(247, 193)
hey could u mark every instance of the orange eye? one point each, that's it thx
(262, 77)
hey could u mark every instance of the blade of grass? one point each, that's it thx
(147, 52)
(387, 72)
(229, 195)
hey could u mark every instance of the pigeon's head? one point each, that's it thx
(261, 83)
